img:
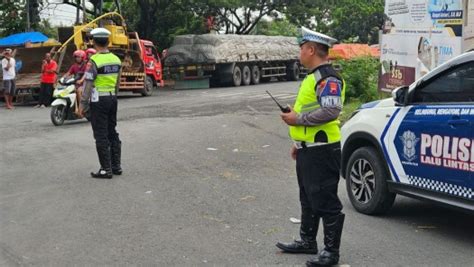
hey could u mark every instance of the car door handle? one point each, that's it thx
(458, 122)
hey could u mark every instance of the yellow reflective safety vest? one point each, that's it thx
(307, 101)
(108, 69)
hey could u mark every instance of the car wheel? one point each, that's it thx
(366, 182)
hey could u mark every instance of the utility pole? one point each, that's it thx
(78, 8)
(28, 25)
(32, 14)
(84, 13)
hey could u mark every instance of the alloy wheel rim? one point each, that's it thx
(362, 181)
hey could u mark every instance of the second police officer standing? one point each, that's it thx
(314, 128)
(100, 96)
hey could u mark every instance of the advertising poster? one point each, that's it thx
(418, 35)
(403, 62)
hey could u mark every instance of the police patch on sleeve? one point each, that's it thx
(329, 93)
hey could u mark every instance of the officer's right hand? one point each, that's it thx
(293, 152)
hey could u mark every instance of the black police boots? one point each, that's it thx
(307, 244)
(105, 171)
(116, 152)
(332, 241)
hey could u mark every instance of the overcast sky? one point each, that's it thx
(58, 13)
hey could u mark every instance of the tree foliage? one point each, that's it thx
(346, 20)
(12, 17)
(360, 75)
(237, 16)
(275, 27)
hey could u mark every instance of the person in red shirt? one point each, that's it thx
(78, 68)
(48, 78)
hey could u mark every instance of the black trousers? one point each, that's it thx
(45, 94)
(104, 121)
(317, 169)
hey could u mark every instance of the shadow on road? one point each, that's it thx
(426, 216)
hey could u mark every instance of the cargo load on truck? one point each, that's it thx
(198, 61)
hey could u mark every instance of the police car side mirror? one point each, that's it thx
(400, 95)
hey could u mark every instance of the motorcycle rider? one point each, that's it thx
(77, 70)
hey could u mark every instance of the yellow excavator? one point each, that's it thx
(141, 64)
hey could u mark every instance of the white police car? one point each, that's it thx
(419, 144)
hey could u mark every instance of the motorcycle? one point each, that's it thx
(64, 106)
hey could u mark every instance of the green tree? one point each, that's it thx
(46, 28)
(237, 16)
(346, 20)
(274, 27)
(357, 21)
(12, 17)
(161, 20)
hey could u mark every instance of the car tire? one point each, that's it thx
(366, 182)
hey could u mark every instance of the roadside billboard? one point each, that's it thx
(419, 35)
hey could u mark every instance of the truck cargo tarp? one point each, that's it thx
(20, 39)
(227, 48)
(350, 51)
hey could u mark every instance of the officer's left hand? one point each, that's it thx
(290, 117)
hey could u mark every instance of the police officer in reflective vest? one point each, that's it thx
(314, 128)
(100, 96)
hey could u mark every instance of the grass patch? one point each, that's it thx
(348, 109)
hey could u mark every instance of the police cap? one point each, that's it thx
(308, 35)
(100, 33)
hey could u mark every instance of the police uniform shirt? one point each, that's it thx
(90, 76)
(329, 95)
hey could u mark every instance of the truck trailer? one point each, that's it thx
(201, 61)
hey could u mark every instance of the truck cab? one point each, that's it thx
(152, 61)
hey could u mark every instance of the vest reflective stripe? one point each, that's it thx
(108, 68)
(307, 101)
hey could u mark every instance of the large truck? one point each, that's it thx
(201, 61)
(419, 35)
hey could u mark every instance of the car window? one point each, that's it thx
(454, 85)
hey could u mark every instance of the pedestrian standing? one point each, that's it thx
(100, 89)
(48, 78)
(9, 75)
(314, 128)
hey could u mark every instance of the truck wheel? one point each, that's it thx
(293, 72)
(58, 115)
(148, 89)
(246, 75)
(237, 76)
(366, 182)
(255, 75)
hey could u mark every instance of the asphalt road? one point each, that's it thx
(207, 181)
